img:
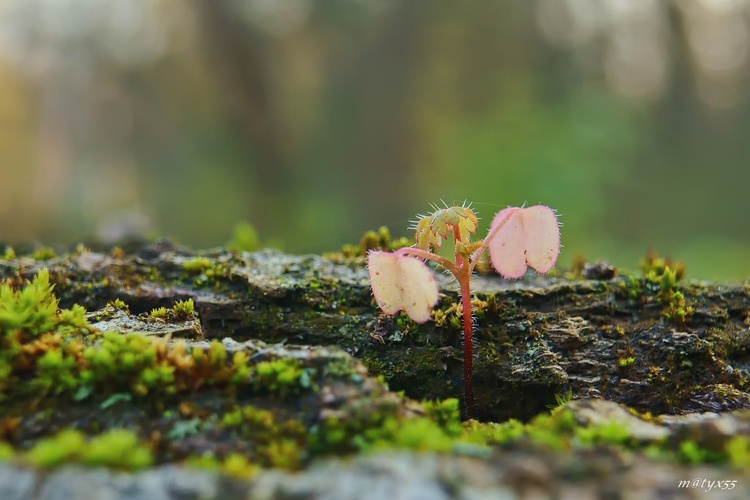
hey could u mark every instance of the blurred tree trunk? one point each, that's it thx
(239, 54)
(382, 148)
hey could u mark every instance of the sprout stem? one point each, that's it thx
(463, 281)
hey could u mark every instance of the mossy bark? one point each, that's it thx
(618, 339)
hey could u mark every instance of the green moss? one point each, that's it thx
(159, 313)
(446, 413)
(277, 443)
(654, 267)
(33, 333)
(184, 308)
(117, 448)
(7, 453)
(562, 399)
(343, 367)
(677, 310)
(63, 447)
(492, 433)
(32, 309)
(612, 432)
(197, 265)
(9, 253)
(236, 465)
(72, 320)
(205, 272)
(119, 305)
(285, 453)
(418, 434)
(737, 451)
(55, 372)
(668, 281)
(38, 340)
(553, 431)
(625, 362)
(690, 452)
(217, 354)
(44, 253)
(634, 288)
(282, 375)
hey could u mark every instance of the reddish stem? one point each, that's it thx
(462, 271)
(424, 254)
(463, 282)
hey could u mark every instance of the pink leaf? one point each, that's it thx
(529, 237)
(402, 283)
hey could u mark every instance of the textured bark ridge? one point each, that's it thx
(535, 338)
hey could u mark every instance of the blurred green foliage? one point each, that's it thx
(317, 121)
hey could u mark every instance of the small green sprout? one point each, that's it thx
(625, 362)
(184, 308)
(56, 450)
(519, 238)
(119, 305)
(117, 448)
(159, 313)
(32, 309)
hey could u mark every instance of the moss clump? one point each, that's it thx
(119, 305)
(654, 267)
(204, 272)
(184, 308)
(9, 253)
(626, 362)
(44, 253)
(197, 265)
(418, 434)
(677, 310)
(159, 313)
(494, 433)
(32, 329)
(282, 375)
(446, 413)
(116, 448)
(277, 444)
(612, 432)
(181, 310)
(31, 311)
(692, 453)
(737, 450)
(61, 448)
(51, 350)
(234, 465)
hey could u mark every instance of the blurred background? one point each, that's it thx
(315, 121)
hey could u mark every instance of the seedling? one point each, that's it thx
(518, 238)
